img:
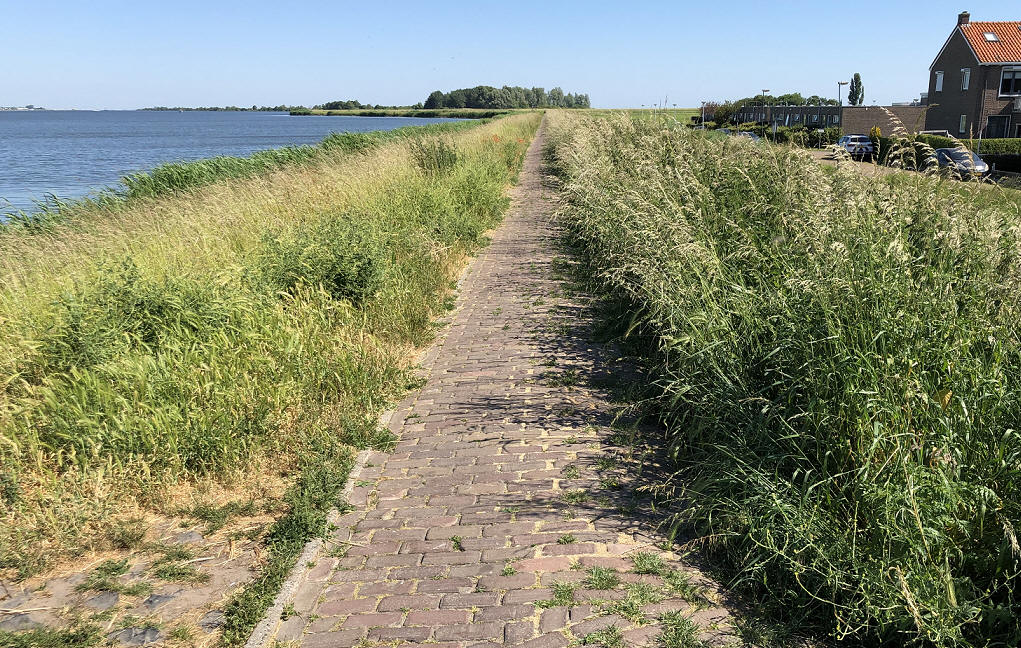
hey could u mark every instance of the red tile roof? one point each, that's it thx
(1006, 50)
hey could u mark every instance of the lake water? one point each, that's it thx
(72, 153)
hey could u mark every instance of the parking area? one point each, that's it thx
(826, 156)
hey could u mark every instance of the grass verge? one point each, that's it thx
(231, 334)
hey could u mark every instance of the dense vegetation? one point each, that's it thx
(506, 97)
(840, 380)
(228, 320)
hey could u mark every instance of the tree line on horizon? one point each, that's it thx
(506, 97)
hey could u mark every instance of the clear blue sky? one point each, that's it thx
(105, 54)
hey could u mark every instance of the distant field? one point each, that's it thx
(682, 115)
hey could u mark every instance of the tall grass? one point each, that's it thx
(839, 371)
(235, 328)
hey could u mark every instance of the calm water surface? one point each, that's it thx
(72, 153)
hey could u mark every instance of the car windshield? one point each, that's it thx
(964, 156)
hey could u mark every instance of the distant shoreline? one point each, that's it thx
(451, 113)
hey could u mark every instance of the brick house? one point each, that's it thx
(975, 81)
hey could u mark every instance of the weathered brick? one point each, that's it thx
(438, 617)
(452, 558)
(556, 563)
(446, 585)
(412, 635)
(552, 619)
(555, 640)
(411, 602)
(346, 606)
(466, 601)
(505, 613)
(373, 620)
(386, 587)
(490, 630)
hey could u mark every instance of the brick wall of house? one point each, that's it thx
(992, 104)
(947, 106)
(861, 119)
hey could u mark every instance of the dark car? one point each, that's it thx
(966, 163)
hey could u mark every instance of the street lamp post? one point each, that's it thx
(764, 91)
(840, 101)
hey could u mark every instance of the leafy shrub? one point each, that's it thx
(121, 312)
(340, 254)
(434, 155)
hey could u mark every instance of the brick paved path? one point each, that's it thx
(501, 486)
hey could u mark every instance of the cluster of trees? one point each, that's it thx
(354, 104)
(506, 97)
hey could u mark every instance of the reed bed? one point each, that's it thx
(227, 321)
(837, 366)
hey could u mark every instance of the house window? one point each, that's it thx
(939, 82)
(964, 123)
(965, 78)
(836, 119)
(1010, 82)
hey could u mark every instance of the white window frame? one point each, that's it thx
(964, 124)
(939, 81)
(965, 78)
(1003, 71)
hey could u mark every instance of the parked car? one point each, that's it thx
(750, 135)
(967, 164)
(859, 146)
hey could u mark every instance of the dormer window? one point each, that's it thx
(991, 37)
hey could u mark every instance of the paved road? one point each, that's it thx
(867, 168)
(503, 484)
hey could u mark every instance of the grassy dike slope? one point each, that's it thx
(839, 371)
(250, 328)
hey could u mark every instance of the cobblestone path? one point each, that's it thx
(503, 517)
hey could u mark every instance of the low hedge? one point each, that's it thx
(991, 146)
(1007, 163)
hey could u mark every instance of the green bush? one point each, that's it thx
(434, 155)
(340, 254)
(838, 378)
